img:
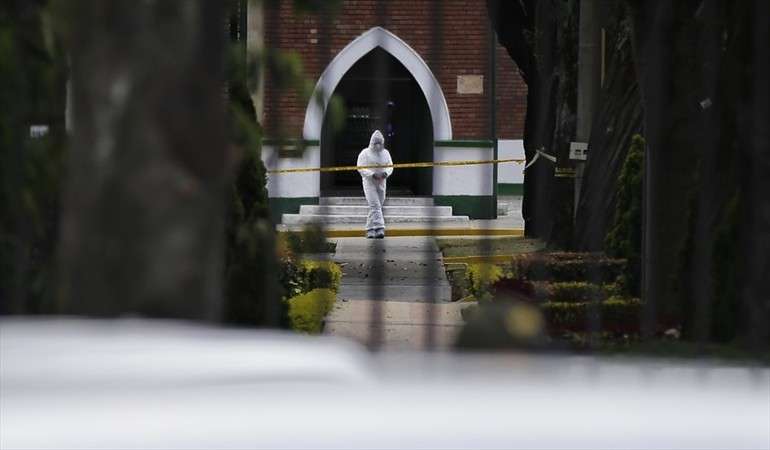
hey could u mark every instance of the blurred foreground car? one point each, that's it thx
(76, 383)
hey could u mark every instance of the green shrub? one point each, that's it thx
(290, 279)
(616, 315)
(250, 261)
(250, 273)
(507, 289)
(591, 267)
(307, 311)
(726, 322)
(502, 326)
(300, 277)
(624, 238)
(320, 275)
(480, 278)
(574, 291)
(311, 239)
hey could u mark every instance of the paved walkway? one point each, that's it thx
(393, 279)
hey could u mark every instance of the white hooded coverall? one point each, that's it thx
(374, 189)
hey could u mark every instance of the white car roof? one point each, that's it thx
(79, 383)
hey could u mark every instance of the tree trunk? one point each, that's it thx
(617, 119)
(754, 140)
(142, 220)
(538, 37)
(663, 45)
(702, 69)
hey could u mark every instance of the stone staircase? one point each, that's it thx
(353, 211)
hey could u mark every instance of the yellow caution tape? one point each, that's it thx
(397, 166)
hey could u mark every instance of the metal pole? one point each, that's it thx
(589, 79)
(493, 111)
(589, 85)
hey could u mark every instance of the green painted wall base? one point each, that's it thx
(288, 205)
(473, 206)
(510, 189)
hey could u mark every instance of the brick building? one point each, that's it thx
(419, 70)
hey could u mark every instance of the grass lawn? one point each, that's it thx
(474, 246)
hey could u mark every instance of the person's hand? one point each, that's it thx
(376, 177)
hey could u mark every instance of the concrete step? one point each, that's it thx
(302, 219)
(362, 210)
(509, 205)
(389, 201)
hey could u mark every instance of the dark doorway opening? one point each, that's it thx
(379, 93)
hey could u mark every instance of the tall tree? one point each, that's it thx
(142, 220)
(251, 291)
(702, 68)
(617, 119)
(32, 92)
(541, 38)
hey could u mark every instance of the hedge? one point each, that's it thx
(574, 291)
(307, 311)
(321, 274)
(592, 267)
(496, 326)
(311, 240)
(480, 277)
(304, 276)
(615, 315)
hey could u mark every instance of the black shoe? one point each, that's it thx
(379, 234)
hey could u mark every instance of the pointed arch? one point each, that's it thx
(348, 56)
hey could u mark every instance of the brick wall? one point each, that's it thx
(511, 98)
(461, 49)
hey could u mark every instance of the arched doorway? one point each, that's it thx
(379, 93)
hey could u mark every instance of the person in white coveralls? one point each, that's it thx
(375, 183)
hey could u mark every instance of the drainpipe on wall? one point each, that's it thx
(493, 112)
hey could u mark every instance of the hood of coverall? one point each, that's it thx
(376, 138)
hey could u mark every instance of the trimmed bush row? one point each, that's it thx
(562, 291)
(488, 281)
(567, 267)
(617, 315)
(574, 291)
(567, 256)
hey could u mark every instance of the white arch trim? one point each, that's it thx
(338, 67)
